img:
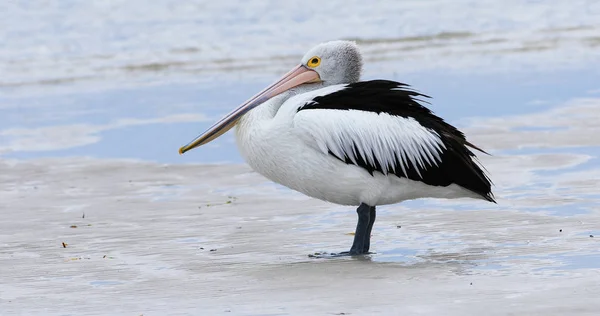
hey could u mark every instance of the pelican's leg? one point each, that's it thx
(362, 235)
(372, 216)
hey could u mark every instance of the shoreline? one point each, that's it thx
(145, 245)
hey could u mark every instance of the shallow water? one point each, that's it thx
(126, 83)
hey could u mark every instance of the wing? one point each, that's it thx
(380, 126)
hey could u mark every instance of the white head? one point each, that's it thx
(336, 62)
(330, 63)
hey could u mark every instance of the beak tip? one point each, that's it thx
(181, 150)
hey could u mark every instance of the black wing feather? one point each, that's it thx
(458, 163)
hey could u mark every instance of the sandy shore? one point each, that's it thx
(204, 240)
(110, 79)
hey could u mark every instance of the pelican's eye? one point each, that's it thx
(314, 62)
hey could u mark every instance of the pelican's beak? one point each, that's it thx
(295, 77)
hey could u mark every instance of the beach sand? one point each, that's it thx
(157, 239)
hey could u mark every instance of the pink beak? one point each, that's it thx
(295, 77)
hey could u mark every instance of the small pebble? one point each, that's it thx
(592, 236)
(560, 230)
(73, 226)
(213, 250)
(64, 245)
(399, 226)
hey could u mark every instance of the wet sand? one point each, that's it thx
(219, 239)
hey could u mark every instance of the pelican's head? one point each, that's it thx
(336, 62)
(329, 63)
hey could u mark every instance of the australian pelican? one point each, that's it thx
(321, 131)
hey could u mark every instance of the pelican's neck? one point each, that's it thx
(258, 130)
(267, 110)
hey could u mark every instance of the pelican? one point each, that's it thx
(323, 132)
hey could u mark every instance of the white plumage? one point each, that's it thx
(291, 148)
(378, 137)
